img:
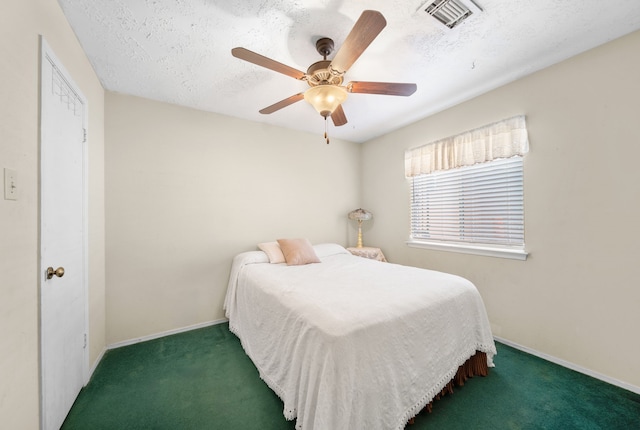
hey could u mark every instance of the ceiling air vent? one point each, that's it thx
(451, 12)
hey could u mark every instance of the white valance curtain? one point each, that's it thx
(502, 139)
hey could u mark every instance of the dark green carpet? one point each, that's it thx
(202, 379)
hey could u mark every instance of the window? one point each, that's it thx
(470, 203)
(479, 205)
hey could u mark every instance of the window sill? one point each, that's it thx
(488, 251)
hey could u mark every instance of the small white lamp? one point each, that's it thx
(360, 215)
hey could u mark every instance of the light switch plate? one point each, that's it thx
(10, 184)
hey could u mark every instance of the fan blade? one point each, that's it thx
(384, 88)
(260, 60)
(338, 117)
(367, 28)
(282, 103)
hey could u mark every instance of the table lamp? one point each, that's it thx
(360, 215)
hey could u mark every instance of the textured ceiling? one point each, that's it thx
(179, 51)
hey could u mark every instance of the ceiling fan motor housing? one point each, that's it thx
(320, 74)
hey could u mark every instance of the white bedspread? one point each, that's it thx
(352, 343)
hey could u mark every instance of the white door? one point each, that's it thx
(63, 308)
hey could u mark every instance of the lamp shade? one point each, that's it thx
(325, 98)
(360, 215)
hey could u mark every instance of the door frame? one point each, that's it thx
(47, 55)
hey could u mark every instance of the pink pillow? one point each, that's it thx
(298, 251)
(273, 251)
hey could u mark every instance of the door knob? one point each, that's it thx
(59, 272)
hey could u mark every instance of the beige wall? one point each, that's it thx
(20, 24)
(577, 296)
(187, 190)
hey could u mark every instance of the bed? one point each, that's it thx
(352, 343)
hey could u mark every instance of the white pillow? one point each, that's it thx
(273, 251)
(327, 249)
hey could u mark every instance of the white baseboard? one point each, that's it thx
(165, 333)
(571, 366)
(94, 366)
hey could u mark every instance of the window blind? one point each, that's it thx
(479, 204)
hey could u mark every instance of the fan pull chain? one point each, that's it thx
(326, 136)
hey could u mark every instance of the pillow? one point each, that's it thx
(273, 251)
(327, 249)
(298, 251)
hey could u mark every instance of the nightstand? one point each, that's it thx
(368, 252)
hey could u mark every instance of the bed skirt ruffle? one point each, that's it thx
(476, 365)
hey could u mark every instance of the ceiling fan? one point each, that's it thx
(326, 93)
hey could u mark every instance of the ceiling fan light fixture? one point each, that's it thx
(325, 98)
(325, 77)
